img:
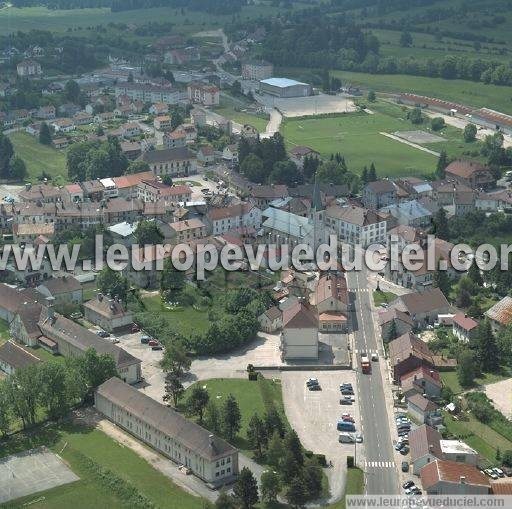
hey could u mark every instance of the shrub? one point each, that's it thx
(350, 462)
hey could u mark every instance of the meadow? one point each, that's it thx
(39, 158)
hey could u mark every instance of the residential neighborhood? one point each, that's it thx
(254, 254)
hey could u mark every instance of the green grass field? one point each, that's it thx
(39, 158)
(59, 20)
(449, 378)
(357, 137)
(252, 397)
(228, 111)
(380, 297)
(71, 442)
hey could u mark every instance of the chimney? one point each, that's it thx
(463, 479)
(100, 296)
(211, 439)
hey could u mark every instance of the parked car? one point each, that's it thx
(145, 339)
(135, 328)
(114, 340)
(499, 472)
(416, 491)
(375, 357)
(407, 484)
(399, 445)
(490, 472)
(346, 438)
(344, 401)
(76, 316)
(153, 342)
(314, 387)
(404, 450)
(405, 468)
(103, 334)
(359, 439)
(347, 418)
(157, 347)
(311, 381)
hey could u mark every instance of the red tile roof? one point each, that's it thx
(452, 472)
(464, 322)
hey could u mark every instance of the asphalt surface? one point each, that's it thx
(380, 466)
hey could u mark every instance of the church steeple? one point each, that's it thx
(316, 203)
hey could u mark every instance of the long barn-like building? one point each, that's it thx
(209, 457)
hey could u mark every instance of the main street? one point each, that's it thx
(379, 466)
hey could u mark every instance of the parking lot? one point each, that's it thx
(314, 414)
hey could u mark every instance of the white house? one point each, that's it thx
(109, 313)
(242, 215)
(299, 338)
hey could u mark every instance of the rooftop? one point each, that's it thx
(281, 82)
(501, 312)
(452, 472)
(16, 356)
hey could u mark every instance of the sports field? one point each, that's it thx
(357, 137)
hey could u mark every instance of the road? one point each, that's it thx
(380, 468)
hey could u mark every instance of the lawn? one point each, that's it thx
(39, 158)
(252, 397)
(354, 486)
(241, 117)
(449, 378)
(478, 435)
(357, 137)
(380, 297)
(186, 319)
(72, 443)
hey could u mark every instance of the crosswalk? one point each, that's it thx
(367, 352)
(379, 464)
(359, 290)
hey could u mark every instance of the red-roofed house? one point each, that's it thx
(500, 315)
(464, 327)
(471, 174)
(453, 478)
(332, 303)
(407, 353)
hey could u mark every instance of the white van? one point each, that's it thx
(346, 438)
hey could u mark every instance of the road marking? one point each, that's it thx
(379, 464)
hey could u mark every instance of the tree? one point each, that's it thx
(364, 176)
(487, 348)
(18, 169)
(173, 389)
(225, 501)
(23, 393)
(405, 39)
(275, 450)
(437, 123)
(172, 281)
(5, 408)
(45, 135)
(292, 444)
(138, 167)
(111, 282)
(507, 458)
(371, 96)
(175, 359)
(442, 281)
(285, 172)
(53, 388)
(475, 275)
(441, 229)
(463, 298)
(296, 493)
(470, 133)
(148, 233)
(256, 434)
(95, 369)
(212, 417)
(415, 116)
(252, 168)
(270, 486)
(274, 422)
(6, 153)
(442, 163)
(197, 402)
(72, 91)
(167, 180)
(466, 368)
(289, 468)
(245, 490)
(176, 119)
(231, 417)
(312, 479)
(372, 173)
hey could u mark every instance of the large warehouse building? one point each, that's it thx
(284, 87)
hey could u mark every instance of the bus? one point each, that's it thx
(365, 364)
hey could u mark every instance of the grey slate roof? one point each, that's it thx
(169, 154)
(166, 420)
(16, 356)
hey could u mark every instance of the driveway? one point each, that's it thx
(314, 414)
